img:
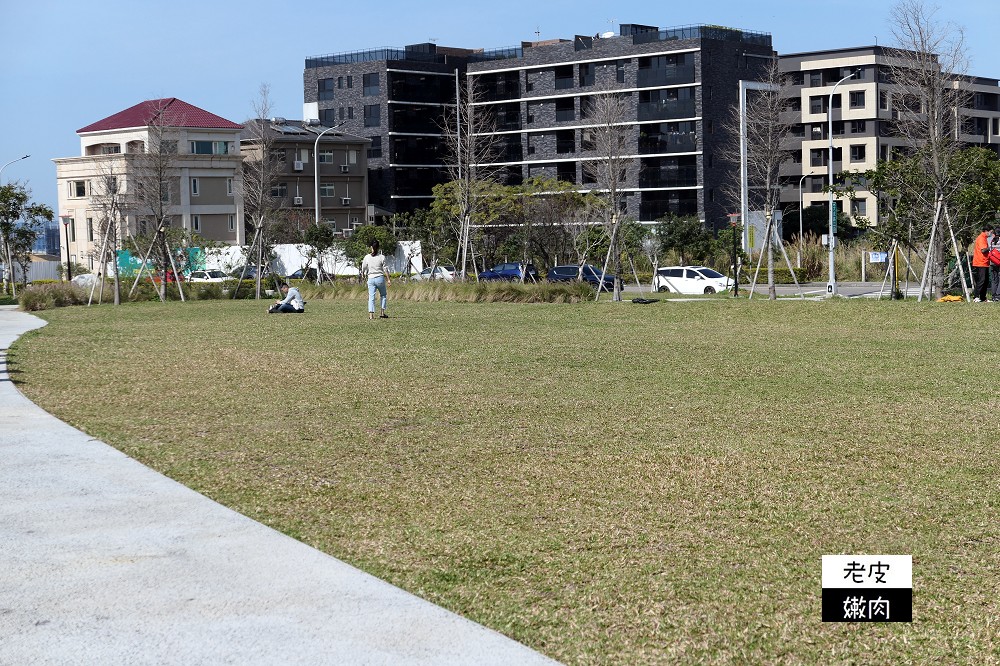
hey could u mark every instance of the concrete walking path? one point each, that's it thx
(104, 561)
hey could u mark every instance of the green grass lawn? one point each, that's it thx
(607, 483)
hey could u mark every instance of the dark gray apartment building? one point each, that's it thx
(680, 83)
(395, 97)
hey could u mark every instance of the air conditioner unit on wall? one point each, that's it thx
(348, 232)
(297, 165)
(346, 201)
(297, 201)
(345, 168)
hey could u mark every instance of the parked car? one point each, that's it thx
(511, 272)
(690, 280)
(207, 276)
(440, 273)
(250, 274)
(304, 274)
(591, 274)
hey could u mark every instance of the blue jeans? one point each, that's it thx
(373, 284)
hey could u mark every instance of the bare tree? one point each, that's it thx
(927, 90)
(154, 191)
(110, 202)
(471, 146)
(260, 172)
(612, 168)
(760, 137)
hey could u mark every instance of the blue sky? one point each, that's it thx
(66, 64)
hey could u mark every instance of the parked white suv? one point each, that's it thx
(690, 280)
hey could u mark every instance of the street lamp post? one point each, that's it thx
(801, 212)
(9, 163)
(316, 165)
(831, 287)
(67, 220)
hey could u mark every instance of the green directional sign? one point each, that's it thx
(834, 227)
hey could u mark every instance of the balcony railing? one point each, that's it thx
(666, 77)
(664, 110)
(668, 143)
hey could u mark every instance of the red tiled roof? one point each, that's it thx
(176, 113)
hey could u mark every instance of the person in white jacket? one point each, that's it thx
(291, 303)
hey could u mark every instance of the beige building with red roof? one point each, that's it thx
(200, 162)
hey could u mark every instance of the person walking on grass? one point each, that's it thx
(373, 268)
(981, 264)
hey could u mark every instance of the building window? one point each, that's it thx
(815, 79)
(350, 113)
(857, 127)
(817, 104)
(371, 85)
(196, 223)
(372, 115)
(326, 157)
(229, 186)
(232, 223)
(279, 190)
(90, 229)
(111, 149)
(340, 112)
(817, 157)
(77, 188)
(327, 190)
(72, 231)
(883, 100)
(325, 91)
(858, 153)
(586, 74)
(210, 147)
(857, 99)
(278, 155)
(352, 157)
(620, 70)
(340, 82)
(564, 77)
(328, 117)
(303, 155)
(375, 150)
(859, 207)
(194, 187)
(350, 81)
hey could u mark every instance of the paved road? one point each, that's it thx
(809, 289)
(104, 561)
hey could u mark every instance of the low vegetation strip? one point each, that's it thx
(605, 482)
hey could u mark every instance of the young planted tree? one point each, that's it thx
(21, 220)
(611, 169)
(546, 205)
(471, 144)
(685, 235)
(759, 139)
(260, 173)
(109, 200)
(153, 195)
(437, 238)
(926, 88)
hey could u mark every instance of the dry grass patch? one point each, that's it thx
(607, 483)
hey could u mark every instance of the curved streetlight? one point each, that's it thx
(831, 287)
(8, 164)
(316, 165)
(67, 220)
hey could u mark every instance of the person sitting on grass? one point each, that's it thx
(291, 303)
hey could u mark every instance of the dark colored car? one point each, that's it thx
(303, 274)
(510, 272)
(591, 275)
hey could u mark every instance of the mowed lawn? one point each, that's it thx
(607, 483)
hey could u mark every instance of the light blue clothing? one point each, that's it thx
(376, 283)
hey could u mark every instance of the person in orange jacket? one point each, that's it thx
(981, 264)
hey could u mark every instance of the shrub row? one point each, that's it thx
(55, 295)
(459, 292)
(781, 275)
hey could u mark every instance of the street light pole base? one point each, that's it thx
(831, 288)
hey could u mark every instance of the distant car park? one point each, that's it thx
(690, 280)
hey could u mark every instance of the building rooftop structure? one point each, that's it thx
(170, 111)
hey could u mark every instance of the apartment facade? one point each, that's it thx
(205, 169)
(397, 99)
(341, 163)
(679, 84)
(863, 111)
